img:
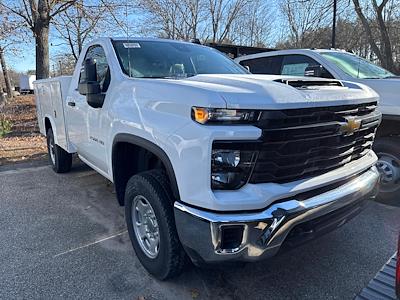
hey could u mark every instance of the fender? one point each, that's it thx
(53, 127)
(153, 148)
(389, 126)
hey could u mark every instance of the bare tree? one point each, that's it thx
(304, 16)
(253, 26)
(37, 14)
(223, 13)
(175, 19)
(11, 37)
(5, 74)
(62, 64)
(83, 20)
(381, 45)
(214, 21)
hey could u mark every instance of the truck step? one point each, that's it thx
(383, 285)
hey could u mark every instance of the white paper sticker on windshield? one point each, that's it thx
(131, 45)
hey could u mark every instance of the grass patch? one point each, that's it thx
(5, 127)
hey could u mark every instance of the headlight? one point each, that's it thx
(225, 116)
(231, 168)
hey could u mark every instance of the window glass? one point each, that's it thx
(264, 65)
(295, 65)
(356, 66)
(168, 59)
(97, 53)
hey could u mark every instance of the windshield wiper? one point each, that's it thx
(190, 75)
(169, 76)
(156, 77)
(387, 77)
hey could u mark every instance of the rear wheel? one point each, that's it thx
(388, 151)
(60, 159)
(151, 224)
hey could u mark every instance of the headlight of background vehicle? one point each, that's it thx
(231, 166)
(224, 116)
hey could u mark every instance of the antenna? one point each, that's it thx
(126, 19)
(358, 67)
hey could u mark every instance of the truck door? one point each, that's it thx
(86, 123)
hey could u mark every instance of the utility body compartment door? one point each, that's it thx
(58, 114)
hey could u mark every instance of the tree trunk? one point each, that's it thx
(9, 90)
(388, 62)
(42, 50)
(1, 97)
(368, 31)
(384, 50)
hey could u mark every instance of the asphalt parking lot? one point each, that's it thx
(64, 236)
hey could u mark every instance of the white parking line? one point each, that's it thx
(90, 244)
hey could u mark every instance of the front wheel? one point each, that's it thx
(151, 224)
(388, 151)
(60, 159)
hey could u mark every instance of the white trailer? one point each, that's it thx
(26, 83)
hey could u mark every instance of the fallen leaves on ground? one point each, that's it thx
(24, 142)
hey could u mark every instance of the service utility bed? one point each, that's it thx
(51, 101)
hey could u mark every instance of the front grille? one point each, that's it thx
(300, 143)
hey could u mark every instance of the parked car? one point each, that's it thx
(346, 66)
(211, 162)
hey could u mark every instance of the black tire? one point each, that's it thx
(60, 159)
(388, 151)
(154, 187)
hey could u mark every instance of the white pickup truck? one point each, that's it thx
(211, 162)
(342, 65)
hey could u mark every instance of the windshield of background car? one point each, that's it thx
(356, 66)
(163, 59)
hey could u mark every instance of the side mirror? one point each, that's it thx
(316, 71)
(89, 85)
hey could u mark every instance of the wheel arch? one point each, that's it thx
(49, 123)
(390, 126)
(120, 177)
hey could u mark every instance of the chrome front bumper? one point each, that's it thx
(264, 232)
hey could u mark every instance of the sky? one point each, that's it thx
(24, 60)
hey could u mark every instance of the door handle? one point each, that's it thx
(71, 103)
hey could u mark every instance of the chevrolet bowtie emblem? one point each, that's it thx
(351, 125)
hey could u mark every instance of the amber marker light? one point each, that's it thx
(200, 115)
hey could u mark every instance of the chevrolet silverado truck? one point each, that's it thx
(342, 65)
(211, 162)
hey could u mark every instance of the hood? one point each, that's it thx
(276, 92)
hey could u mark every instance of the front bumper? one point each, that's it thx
(262, 234)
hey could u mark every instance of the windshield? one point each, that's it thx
(164, 59)
(356, 66)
